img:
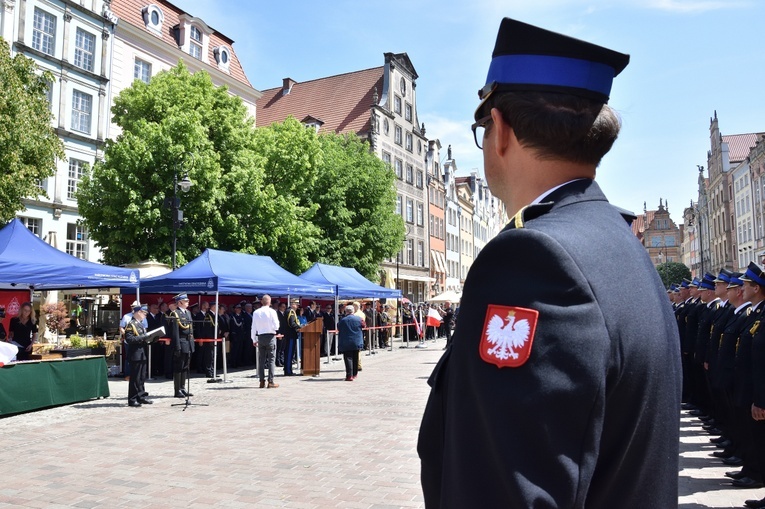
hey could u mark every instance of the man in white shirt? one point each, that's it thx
(265, 323)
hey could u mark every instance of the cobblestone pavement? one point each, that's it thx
(312, 443)
(702, 477)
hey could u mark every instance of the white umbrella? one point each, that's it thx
(447, 296)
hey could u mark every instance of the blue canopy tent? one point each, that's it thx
(348, 284)
(26, 261)
(229, 273)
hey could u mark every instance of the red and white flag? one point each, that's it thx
(434, 318)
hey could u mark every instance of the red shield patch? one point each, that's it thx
(507, 336)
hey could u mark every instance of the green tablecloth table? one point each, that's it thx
(33, 385)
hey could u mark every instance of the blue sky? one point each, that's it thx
(688, 59)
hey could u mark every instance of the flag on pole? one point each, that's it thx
(434, 318)
(417, 324)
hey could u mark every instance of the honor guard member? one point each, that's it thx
(707, 313)
(722, 376)
(181, 344)
(754, 292)
(561, 387)
(137, 351)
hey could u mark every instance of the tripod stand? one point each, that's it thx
(188, 402)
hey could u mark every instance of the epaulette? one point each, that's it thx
(530, 212)
(627, 215)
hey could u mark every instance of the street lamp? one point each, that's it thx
(177, 214)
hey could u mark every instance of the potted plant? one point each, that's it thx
(56, 317)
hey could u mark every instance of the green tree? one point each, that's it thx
(178, 123)
(356, 194)
(281, 191)
(673, 272)
(29, 146)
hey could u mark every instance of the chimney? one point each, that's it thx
(287, 85)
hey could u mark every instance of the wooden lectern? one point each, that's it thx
(311, 346)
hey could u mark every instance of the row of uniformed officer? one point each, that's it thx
(729, 392)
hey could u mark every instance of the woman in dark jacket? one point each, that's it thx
(350, 341)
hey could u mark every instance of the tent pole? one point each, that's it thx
(337, 310)
(225, 368)
(215, 335)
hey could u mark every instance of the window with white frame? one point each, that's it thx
(153, 17)
(409, 141)
(222, 57)
(398, 135)
(409, 173)
(84, 49)
(420, 215)
(76, 172)
(397, 104)
(142, 70)
(410, 251)
(76, 240)
(421, 254)
(195, 43)
(44, 32)
(82, 105)
(398, 204)
(409, 210)
(408, 112)
(419, 179)
(399, 167)
(34, 224)
(386, 157)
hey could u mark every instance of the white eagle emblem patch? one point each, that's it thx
(508, 334)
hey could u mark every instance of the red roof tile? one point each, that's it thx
(641, 222)
(342, 102)
(129, 11)
(739, 145)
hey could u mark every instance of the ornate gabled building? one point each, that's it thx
(437, 216)
(726, 153)
(660, 236)
(452, 213)
(73, 41)
(465, 219)
(379, 105)
(95, 49)
(153, 36)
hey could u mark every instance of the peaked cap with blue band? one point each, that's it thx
(529, 58)
(754, 274)
(724, 276)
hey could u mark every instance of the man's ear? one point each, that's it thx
(500, 133)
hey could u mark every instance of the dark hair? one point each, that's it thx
(559, 126)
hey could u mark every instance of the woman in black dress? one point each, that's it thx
(24, 331)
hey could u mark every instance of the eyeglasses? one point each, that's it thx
(479, 130)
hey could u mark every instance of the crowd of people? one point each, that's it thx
(723, 345)
(195, 332)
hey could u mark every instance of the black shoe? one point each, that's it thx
(746, 482)
(718, 439)
(180, 394)
(186, 394)
(733, 461)
(707, 419)
(697, 413)
(145, 401)
(723, 454)
(134, 403)
(755, 504)
(735, 474)
(687, 406)
(724, 444)
(714, 431)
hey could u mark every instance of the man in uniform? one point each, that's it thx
(554, 392)
(181, 344)
(290, 337)
(135, 338)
